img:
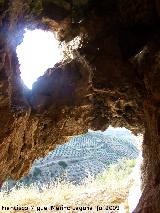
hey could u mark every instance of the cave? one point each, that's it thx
(112, 78)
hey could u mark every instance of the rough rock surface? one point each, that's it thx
(113, 80)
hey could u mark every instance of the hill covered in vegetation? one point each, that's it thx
(83, 156)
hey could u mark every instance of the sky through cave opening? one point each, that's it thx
(38, 51)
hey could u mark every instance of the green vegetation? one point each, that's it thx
(36, 171)
(63, 164)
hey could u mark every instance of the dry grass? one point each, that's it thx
(110, 188)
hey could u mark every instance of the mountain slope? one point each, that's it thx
(83, 155)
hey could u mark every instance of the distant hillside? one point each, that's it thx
(83, 155)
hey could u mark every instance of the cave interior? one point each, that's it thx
(112, 78)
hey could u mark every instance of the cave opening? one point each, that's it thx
(38, 51)
(94, 162)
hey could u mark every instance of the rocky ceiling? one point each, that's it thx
(114, 79)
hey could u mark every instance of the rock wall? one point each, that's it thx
(113, 80)
(149, 201)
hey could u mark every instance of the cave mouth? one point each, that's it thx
(97, 161)
(38, 51)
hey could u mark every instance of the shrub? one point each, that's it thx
(36, 171)
(63, 164)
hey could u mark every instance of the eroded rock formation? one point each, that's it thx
(112, 80)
